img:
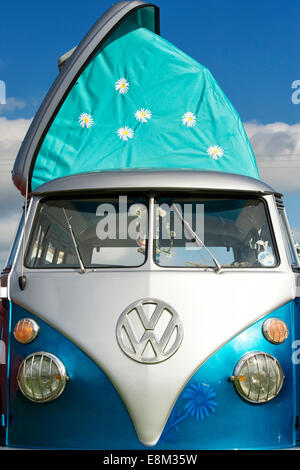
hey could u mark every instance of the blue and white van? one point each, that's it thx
(150, 299)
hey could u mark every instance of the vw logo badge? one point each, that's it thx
(149, 331)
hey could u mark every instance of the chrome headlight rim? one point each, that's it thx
(61, 369)
(266, 333)
(238, 367)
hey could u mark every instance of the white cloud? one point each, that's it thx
(277, 150)
(12, 133)
(12, 104)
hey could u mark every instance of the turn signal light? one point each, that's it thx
(275, 330)
(26, 330)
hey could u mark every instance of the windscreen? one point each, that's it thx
(213, 232)
(189, 232)
(94, 232)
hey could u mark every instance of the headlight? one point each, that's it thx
(42, 377)
(258, 377)
(275, 330)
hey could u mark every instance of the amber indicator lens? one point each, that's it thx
(275, 330)
(26, 330)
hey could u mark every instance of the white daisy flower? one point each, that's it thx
(215, 152)
(122, 85)
(125, 133)
(143, 114)
(86, 120)
(189, 119)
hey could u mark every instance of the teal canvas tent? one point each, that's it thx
(128, 99)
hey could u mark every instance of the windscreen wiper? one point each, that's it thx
(83, 269)
(197, 239)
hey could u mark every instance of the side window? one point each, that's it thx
(288, 240)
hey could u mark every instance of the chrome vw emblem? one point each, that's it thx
(149, 331)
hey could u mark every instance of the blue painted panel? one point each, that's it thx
(88, 415)
(209, 414)
(226, 421)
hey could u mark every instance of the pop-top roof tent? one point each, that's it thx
(127, 99)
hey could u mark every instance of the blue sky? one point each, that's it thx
(251, 48)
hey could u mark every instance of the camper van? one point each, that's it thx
(150, 299)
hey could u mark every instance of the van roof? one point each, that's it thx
(158, 179)
(71, 65)
(152, 107)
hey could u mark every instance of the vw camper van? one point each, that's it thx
(150, 299)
